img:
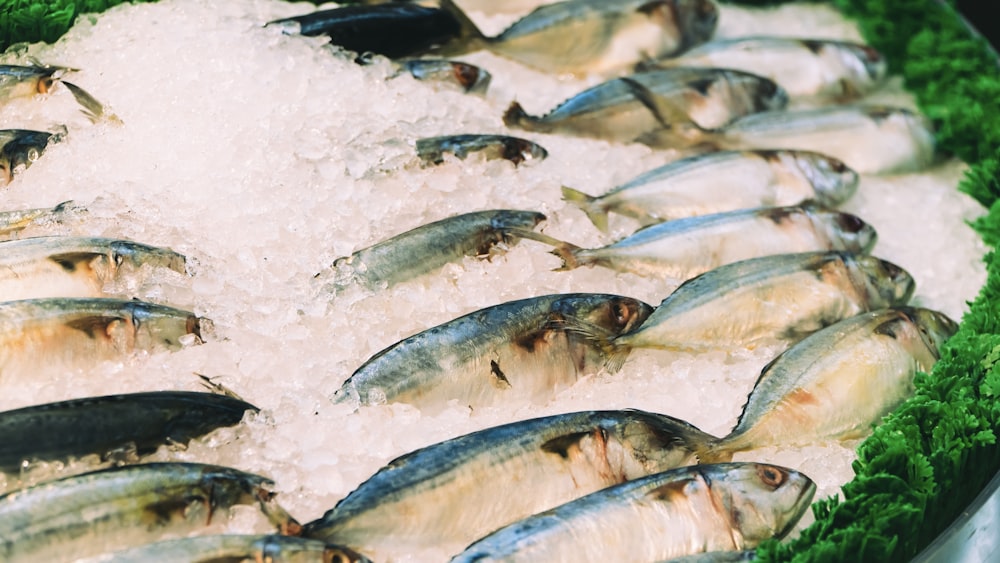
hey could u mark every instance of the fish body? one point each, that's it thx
(594, 36)
(64, 331)
(234, 549)
(722, 181)
(684, 248)
(469, 78)
(840, 381)
(779, 298)
(394, 29)
(445, 495)
(869, 139)
(837, 70)
(429, 247)
(431, 149)
(74, 266)
(123, 507)
(670, 514)
(515, 351)
(109, 424)
(20, 148)
(612, 111)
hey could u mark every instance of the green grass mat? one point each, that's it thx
(932, 456)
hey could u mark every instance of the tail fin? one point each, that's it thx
(563, 249)
(469, 39)
(515, 116)
(597, 214)
(93, 109)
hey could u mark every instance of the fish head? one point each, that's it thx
(844, 230)
(520, 151)
(137, 254)
(21, 148)
(882, 283)
(769, 95)
(341, 554)
(695, 19)
(226, 487)
(833, 181)
(470, 77)
(159, 326)
(934, 327)
(865, 66)
(608, 315)
(763, 501)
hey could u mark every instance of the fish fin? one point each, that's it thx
(71, 261)
(598, 216)
(714, 453)
(515, 116)
(218, 388)
(500, 380)
(615, 354)
(95, 325)
(561, 445)
(470, 37)
(567, 252)
(677, 129)
(93, 109)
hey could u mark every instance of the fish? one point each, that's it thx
(14, 221)
(124, 507)
(36, 334)
(772, 299)
(515, 351)
(805, 68)
(519, 151)
(839, 382)
(684, 248)
(394, 30)
(702, 508)
(612, 111)
(592, 36)
(234, 548)
(20, 148)
(427, 248)
(20, 81)
(871, 139)
(443, 496)
(136, 423)
(470, 78)
(57, 266)
(722, 181)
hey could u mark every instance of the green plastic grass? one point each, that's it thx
(932, 456)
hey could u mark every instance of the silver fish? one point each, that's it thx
(838, 70)
(124, 507)
(55, 332)
(840, 381)
(678, 512)
(781, 298)
(74, 266)
(593, 36)
(869, 139)
(612, 111)
(230, 548)
(722, 181)
(519, 151)
(684, 248)
(469, 78)
(429, 247)
(138, 422)
(445, 495)
(17, 220)
(19, 148)
(515, 351)
(17, 81)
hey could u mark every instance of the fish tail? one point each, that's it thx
(515, 116)
(597, 214)
(567, 252)
(93, 109)
(470, 37)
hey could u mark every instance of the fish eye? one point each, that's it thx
(771, 476)
(622, 313)
(466, 75)
(850, 223)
